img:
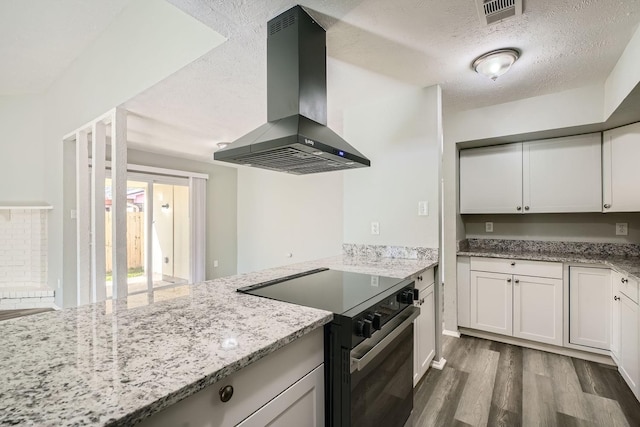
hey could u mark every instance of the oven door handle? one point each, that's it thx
(406, 319)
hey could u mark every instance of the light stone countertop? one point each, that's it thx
(116, 365)
(626, 265)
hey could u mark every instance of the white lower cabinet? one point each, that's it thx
(424, 345)
(282, 389)
(492, 302)
(504, 301)
(625, 343)
(537, 309)
(590, 307)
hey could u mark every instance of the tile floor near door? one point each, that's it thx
(486, 383)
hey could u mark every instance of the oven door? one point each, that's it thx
(382, 374)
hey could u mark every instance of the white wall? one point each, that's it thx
(399, 134)
(22, 158)
(280, 214)
(147, 42)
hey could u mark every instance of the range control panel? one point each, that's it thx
(373, 319)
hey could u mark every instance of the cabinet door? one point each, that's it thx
(620, 172)
(424, 348)
(615, 316)
(302, 404)
(629, 342)
(491, 302)
(491, 179)
(590, 307)
(562, 174)
(537, 309)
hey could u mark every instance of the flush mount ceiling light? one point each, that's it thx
(495, 63)
(222, 145)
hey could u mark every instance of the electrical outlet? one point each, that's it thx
(215, 263)
(423, 208)
(622, 229)
(375, 228)
(488, 227)
(375, 281)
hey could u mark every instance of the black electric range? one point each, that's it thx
(368, 345)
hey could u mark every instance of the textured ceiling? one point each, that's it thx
(374, 47)
(40, 38)
(564, 44)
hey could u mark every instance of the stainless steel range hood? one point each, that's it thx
(295, 139)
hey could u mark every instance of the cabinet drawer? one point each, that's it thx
(253, 387)
(629, 287)
(427, 279)
(517, 266)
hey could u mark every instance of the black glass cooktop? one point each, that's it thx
(331, 290)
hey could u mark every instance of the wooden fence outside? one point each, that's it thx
(135, 241)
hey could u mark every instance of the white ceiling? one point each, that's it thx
(374, 46)
(40, 38)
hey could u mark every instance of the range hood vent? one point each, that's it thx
(295, 138)
(493, 11)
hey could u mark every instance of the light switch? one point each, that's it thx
(622, 229)
(215, 263)
(423, 208)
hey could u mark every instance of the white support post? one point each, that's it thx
(148, 236)
(83, 284)
(119, 206)
(98, 273)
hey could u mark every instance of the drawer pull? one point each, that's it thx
(616, 298)
(526, 208)
(607, 205)
(623, 280)
(518, 208)
(513, 263)
(226, 393)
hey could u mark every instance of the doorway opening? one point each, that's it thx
(158, 233)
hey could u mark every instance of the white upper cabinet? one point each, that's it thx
(491, 179)
(553, 175)
(620, 172)
(562, 175)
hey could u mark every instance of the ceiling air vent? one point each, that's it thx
(492, 11)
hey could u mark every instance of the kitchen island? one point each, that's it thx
(104, 364)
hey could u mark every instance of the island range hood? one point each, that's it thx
(295, 138)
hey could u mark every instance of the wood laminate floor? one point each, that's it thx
(486, 383)
(10, 314)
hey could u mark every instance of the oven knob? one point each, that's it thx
(406, 297)
(377, 321)
(359, 328)
(367, 329)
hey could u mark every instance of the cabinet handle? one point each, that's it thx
(616, 298)
(420, 278)
(623, 280)
(226, 393)
(526, 208)
(518, 208)
(513, 263)
(607, 205)
(517, 281)
(508, 280)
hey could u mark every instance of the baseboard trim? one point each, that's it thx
(578, 354)
(449, 333)
(439, 364)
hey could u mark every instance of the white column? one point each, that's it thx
(83, 284)
(98, 274)
(119, 205)
(148, 236)
(198, 225)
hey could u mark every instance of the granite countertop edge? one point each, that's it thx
(623, 265)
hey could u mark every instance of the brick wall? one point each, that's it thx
(23, 248)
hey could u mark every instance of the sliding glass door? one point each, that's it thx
(158, 232)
